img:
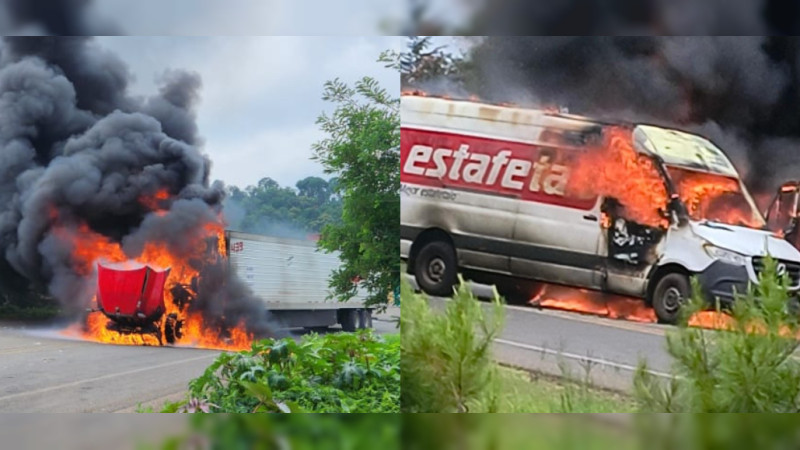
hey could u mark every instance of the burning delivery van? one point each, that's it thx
(631, 209)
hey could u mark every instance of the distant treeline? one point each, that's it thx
(293, 212)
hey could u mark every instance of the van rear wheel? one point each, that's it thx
(435, 268)
(670, 294)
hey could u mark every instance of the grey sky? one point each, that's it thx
(251, 17)
(260, 95)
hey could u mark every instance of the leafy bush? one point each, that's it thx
(748, 367)
(343, 372)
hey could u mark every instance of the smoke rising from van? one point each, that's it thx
(740, 91)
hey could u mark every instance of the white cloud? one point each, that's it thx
(281, 154)
(261, 95)
(250, 17)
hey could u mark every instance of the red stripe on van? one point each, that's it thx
(494, 166)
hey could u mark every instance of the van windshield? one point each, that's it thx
(716, 198)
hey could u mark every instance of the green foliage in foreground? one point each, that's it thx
(748, 368)
(446, 356)
(447, 364)
(293, 431)
(514, 432)
(341, 372)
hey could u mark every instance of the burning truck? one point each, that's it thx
(137, 300)
(623, 208)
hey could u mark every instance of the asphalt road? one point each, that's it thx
(568, 343)
(43, 371)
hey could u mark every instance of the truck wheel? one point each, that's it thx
(173, 328)
(435, 268)
(671, 292)
(348, 318)
(364, 319)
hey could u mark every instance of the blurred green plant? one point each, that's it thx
(515, 432)
(290, 431)
(748, 367)
(341, 372)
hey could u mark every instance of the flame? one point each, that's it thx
(89, 248)
(711, 319)
(616, 170)
(155, 202)
(592, 302)
(714, 197)
(617, 307)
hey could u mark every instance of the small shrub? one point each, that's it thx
(747, 367)
(446, 361)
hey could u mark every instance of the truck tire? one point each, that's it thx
(364, 319)
(348, 319)
(435, 268)
(671, 292)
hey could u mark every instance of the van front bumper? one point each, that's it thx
(720, 280)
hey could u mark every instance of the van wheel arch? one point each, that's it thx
(658, 274)
(427, 236)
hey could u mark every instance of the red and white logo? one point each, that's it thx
(466, 162)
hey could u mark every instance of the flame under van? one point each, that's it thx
(486, 189)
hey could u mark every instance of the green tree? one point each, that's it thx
(422, 62)
(362, 149)
(269, 208)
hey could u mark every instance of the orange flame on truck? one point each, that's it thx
(615, 169)
(89, 248)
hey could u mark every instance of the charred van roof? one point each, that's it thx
(681, 149)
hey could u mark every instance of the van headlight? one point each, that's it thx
(725, 255)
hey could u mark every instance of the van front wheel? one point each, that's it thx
(435, 268)
(670, 294)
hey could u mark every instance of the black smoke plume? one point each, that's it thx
(742, 92)
(76, 150)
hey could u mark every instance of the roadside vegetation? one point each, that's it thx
(290, 431)
(749, 366)
(447, 365)
(338, 372)
(21, 301)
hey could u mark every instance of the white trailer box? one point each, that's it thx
(291, 277)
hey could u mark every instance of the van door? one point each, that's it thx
(557, 237)
(782, 213)
(631, 249)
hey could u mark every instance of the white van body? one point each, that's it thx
(484, 180)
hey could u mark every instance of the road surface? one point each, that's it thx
(43, 371)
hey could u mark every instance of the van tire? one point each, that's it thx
(671, 292)
(435, 268)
